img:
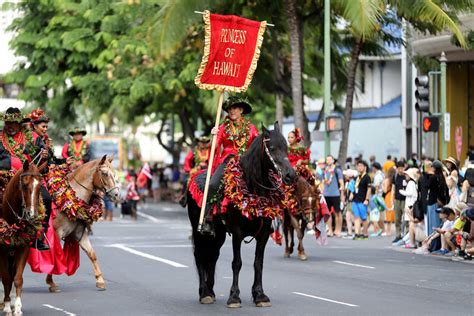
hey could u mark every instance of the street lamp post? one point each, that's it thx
(327, 73)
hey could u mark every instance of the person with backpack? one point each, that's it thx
(333, 183)
(399, 183)
(438, 195)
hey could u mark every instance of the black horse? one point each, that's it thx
(267, 152)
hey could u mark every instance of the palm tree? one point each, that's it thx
(365, 19)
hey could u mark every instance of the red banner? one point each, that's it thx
(231, 51)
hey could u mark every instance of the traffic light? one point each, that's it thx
(430, 124)
(333, 123)
(422, 94)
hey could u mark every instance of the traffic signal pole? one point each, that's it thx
(444, 143)
(327, 73)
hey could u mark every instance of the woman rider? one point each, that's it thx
(39, 122)
(234, 136)
(298, 155)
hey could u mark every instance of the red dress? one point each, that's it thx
(297, 154)
(231, 143)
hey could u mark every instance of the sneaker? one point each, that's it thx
(348, 237)
(384, 235)
(399, 243)
(397, 239)
(409, 246)
(356, 237)
(467, 257)
(422, 251)
(377, 233)
(364, 237)
(440, 252)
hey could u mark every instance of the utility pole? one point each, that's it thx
(444, 116)
(327, 73)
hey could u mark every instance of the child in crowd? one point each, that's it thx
(377, 206)
(447, 217)
(132, 194)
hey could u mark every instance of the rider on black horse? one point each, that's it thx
(17, 145)
(234, 136)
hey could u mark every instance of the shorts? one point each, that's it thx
(359, 210)
(333, 202)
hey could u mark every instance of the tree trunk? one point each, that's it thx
(295, 33)
(279, 108)
(351, 78)
(277, 74)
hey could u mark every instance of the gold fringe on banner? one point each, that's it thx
(207, 50)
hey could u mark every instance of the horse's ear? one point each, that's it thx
(111, 158)
(265, 131)
(276, 126)
(102, 160)
(26, 165)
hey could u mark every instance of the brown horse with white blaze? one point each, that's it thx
(308, 200)
(86, 180)
(21, 203)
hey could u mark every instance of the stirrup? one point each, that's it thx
(206, 229)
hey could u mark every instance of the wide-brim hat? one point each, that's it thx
(238, 102)
(412, 173)
(77, 130)
(14, 115)
(203, 139)
(452, 160)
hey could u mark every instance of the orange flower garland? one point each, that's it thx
(67, 201)
(252, 205)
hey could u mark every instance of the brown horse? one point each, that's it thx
(21, 202)
(308, 199)
(86, 180)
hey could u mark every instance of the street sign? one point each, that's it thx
(430, 124)
(447, 127)
(319, 136)
(458, 140)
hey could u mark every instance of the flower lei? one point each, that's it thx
(238, 133)
(252, 205)
(200, 156)
(67, 201)
(78, 155)
(298, 150)
(327, 171)
(17, 148)
(22, 232)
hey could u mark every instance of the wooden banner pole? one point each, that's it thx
(211, 160)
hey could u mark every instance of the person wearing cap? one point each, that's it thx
(197, 159)
(360, 201)
(78, 147)
(447, 217)
(234, 137)
(461, 226)
(411, 196)
(19, 145)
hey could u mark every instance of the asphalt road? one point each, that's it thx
(149, 270)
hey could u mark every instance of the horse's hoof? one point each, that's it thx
(207, 300)
(302, 257)
(100, 286)
(286, 255)
(234, 305)
(263, 304)
(54, 289)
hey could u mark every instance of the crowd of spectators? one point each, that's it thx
(430, 202)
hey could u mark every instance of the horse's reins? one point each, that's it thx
(106, 191)
(277, 168)
(256, 234)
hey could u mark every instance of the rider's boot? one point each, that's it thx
(40, 242)
(207, 228)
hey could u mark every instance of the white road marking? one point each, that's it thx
(354, 265)
(59, 309)
(148, 256)
(325, 299)
(149, 217)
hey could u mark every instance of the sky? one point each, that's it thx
(7, 59)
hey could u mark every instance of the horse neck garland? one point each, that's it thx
(67, 200)
(236, 192)
(238, 132)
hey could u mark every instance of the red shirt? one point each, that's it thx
(228, 146)
(300, 153)
(190, 161)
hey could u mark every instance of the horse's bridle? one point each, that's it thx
(23, 215)
(267, 151)
(103, 189)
